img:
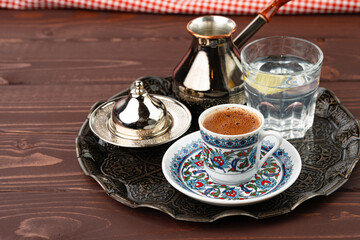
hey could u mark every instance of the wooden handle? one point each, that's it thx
(270, 10)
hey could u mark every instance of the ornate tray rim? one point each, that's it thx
(104, 182)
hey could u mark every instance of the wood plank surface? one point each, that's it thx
(54, 64)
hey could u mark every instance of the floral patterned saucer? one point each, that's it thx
(183, 167)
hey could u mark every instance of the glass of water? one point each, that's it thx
(281, 77)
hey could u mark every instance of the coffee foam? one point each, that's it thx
(232, 121)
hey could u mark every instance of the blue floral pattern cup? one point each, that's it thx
(234, 159)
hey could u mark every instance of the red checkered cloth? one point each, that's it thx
(224, 7)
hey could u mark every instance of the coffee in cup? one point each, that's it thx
(232, 121)
(231, 137)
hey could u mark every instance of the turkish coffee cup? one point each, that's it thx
(231, 136)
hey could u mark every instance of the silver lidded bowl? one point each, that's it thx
(140, 119)
(139, 116)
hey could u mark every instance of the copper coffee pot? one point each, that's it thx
(210, 72)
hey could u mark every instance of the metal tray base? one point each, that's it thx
(329, 152)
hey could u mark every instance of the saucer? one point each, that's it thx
(184, 170)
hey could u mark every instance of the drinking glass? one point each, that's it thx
(281, 77)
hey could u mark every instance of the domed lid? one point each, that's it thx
(140, 115)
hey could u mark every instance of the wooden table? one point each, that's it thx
(55, 64)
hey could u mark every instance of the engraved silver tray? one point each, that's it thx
(329, 152)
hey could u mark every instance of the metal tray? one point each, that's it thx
(329, 152)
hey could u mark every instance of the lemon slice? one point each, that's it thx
(268, 83)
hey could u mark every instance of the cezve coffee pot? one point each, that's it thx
(210, 72)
